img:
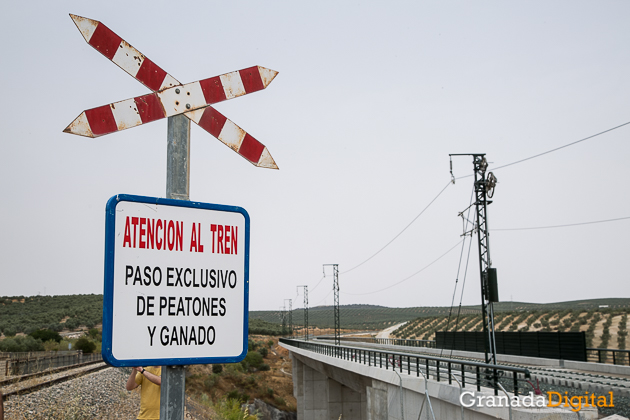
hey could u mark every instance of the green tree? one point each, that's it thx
(20, 344)
(85, 345)
(46, 335)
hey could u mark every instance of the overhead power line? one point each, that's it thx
(399, 233)
(567, 225)
(553, 150)
(407, 278)
(320, 280)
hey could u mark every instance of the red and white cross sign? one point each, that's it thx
(169, 97)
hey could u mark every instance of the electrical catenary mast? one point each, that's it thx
(305, 311)
(336, 293)
(484, 189)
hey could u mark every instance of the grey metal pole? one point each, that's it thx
(177, 158)
(172, 392)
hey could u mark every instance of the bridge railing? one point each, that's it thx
(27, 365)
(614, 356)
(393, 341)
(440, 369)
(593, 354)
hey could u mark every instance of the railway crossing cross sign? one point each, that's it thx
(180, 103)
(169, 97)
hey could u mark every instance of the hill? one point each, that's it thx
(20, 314)
(368, 317)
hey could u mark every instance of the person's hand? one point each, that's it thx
(138, 369)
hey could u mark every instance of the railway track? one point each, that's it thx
(25, 384)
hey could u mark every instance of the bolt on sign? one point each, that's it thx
(176, 282)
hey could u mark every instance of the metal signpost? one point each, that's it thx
(177, 272)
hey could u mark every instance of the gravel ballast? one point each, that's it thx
(98, 395)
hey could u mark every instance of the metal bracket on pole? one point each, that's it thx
(172, 392)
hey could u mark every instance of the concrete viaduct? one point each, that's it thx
(356, 381)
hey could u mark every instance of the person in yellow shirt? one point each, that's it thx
(150, 381)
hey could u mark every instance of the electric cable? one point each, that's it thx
(323, 298)
(407, 278)
(400, 233)
(320, 280)
(461, 296)
(553, 150)
(567, 225)
(459, 266)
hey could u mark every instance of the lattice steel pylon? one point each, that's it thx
(290, 316)
(336, 293)
(305, 312)
(484, 188)
(283, 311)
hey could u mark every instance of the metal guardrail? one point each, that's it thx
(17, 367)
(440, 369)
(614, 356)
(393, 341)
(36, 354)
(593, 354)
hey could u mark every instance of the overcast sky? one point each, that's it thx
(370, 99)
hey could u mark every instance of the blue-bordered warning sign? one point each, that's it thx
(176, 282)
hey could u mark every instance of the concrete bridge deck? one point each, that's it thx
(327, 387)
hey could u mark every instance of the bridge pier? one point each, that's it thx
(323, 398)
(377, 401)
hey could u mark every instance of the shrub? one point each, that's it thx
(51, 345)
(230, 409)
(210, 381)
(264, 367)
(217, 368)
(46, 335)
(238, 396)
(85, 345)
(233, 370)
(253, 359)
(263, 351)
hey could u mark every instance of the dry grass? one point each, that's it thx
(273, 386)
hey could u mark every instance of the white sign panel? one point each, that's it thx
(176, 282)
